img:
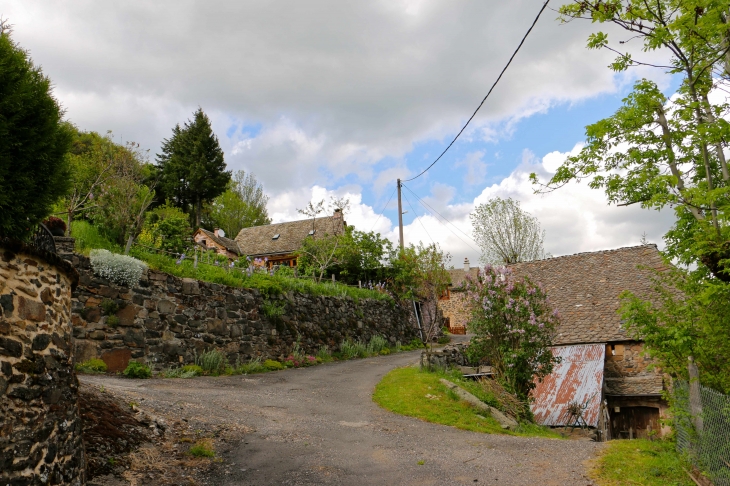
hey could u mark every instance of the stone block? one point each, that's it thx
(97, 335)
(190, 286)
(31, 310)
(116, 359)
(127, 314)
(166, 307)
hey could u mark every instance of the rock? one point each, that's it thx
(31, 310)
(190, 286)
(117, 359)
(504, 421)
(166, 307)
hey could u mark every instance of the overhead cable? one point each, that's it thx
(487, 96)
(384, 208)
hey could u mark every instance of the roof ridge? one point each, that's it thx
(283, 222)
(611, 250)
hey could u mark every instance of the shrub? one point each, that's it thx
(385, 351)
(137, 370)
(324, 354)
(55, 225)
(377, 343)
(273, 310)
(212, 362)
(272, 365)
(194, 369)
(121, 269)
(253, 366)
(444, 340)
(350, 349)
(202, 449)
(91, 366)
(35, 139)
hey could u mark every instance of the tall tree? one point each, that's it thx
(34, 140)
(242, 205)
(192, 166)
(506, 233)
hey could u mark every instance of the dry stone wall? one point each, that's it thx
(40, 428)
(167, 320)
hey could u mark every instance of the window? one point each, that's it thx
(275, 237)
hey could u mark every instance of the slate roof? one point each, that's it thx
(585, 289)
(458, 275)
(642, 385)
(226, 243)
(258, 240)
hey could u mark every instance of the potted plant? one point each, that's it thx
(55, 225)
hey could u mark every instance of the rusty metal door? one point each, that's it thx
(634, 422)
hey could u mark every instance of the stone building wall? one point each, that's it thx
(40, 428)
(166, 320)
(626, 359)
(454, 307)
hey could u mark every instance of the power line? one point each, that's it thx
(485, 98)
(419, 219)
(427, 206)
(384, 208)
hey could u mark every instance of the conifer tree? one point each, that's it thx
(192, 166)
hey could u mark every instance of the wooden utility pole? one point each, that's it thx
(400, 217)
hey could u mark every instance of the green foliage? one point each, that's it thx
(212, 362)
(688, 317)
(192, 166)
(377, 344)
(203, 448)
(324, 354)
(137, 370)
(88, 238)
(242, 205)
(361, 257)
(112, 321)
(253, 366)
(109, 306)
(353, 349)
(195, 370)
(91, 366)
(273, 310)
(121, 269)
(167, 228)
(444, 340)
(189, 371)
(513, 326)
(649, 463)
(272, 365)
(33, 169)
(419, 394)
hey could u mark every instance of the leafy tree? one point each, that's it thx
(513, 324)
(166, 228)
(659, 152)
(34, 140)
(506, 233)
(192, 166)
(687, 318)
(362, 256)
(312, 210)
(242, 205)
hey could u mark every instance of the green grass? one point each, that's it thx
(91, 366)
(203, 448)
(88, 238)
(641, 462)
(404, 391)
(265, 283)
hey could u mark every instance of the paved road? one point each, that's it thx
(319, 425)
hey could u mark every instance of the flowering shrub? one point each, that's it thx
(121, 269)
(295, 362)
(514, 325)
(55, 225)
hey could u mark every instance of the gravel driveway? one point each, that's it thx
(319, 425)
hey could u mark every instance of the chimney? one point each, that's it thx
(466, 265)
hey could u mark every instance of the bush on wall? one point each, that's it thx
(121, 269)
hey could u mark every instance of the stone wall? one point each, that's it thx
(455, 308)
(40, 428)
(167, 320)
(626, 359)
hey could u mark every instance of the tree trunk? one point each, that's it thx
(130, 240)
(69, 219)
(197, 212)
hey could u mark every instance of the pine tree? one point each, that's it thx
(192, 166)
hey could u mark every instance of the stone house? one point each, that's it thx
(452, 302)
(278, 243)
(602, 368)
(216, 241)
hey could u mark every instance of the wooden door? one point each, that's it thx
(635, 421)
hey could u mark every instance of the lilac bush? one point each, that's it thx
(514, 325)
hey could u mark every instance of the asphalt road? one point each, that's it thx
(319, 425)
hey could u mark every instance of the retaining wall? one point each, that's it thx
(166, 320)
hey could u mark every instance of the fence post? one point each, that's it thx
(695, 397)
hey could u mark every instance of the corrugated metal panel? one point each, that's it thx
(577, 378)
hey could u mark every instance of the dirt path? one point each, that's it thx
(319, 426)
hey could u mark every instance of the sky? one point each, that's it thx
(323, 99)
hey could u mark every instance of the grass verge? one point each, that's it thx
(415, 393)
(641, 462)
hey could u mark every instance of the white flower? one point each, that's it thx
(121, 269)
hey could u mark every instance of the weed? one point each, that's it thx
(444, 340)
(112, 321)
(384, 351)
(91, 366)
(187, 371)
(641, 461)
(133, 404)
(202, 448)
(324, 354)
(253, 366)
(212, 362)
(350, 349)
(272, 365)
(421, 463)
(137, 370)
(273, 310)
(109, 306)
(377, 343)
(111, 461)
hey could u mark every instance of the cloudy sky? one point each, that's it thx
(323, 98)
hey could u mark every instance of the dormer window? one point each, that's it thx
(311, 232)
(275, 237)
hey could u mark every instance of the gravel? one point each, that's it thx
(319, 425)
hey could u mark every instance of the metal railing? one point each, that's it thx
(705, 434)
(41, 238)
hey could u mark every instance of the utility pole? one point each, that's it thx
(400, 217)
